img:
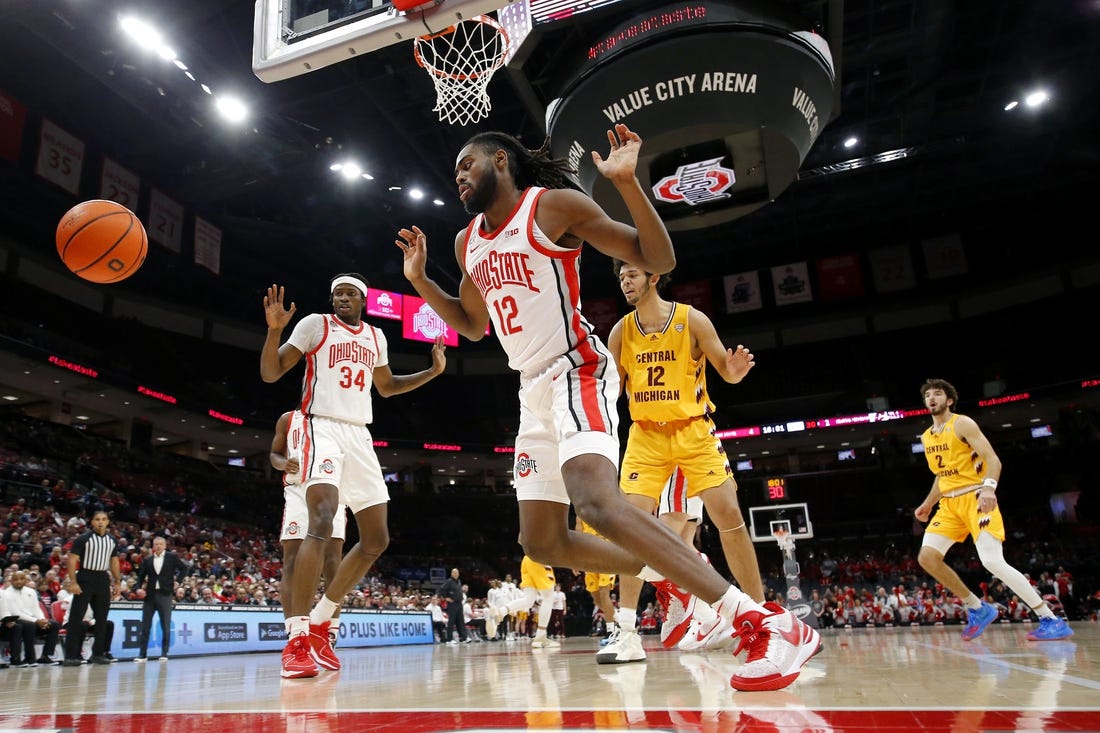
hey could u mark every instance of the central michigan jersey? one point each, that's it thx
(340, 362)
(530, 285)
(951, 458)
(662, 381)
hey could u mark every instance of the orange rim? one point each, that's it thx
(485, 19)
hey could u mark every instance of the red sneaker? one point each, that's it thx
(320, 648)
(297, 661)
(679, 609)
(779, 645)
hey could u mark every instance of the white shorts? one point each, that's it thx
(674, 499)
(564, 412)
(296, 516)
(342, 454)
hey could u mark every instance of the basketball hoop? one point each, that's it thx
(783, 537)
(461, 60)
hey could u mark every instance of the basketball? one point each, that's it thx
(101, 241)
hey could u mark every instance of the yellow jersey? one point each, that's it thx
(951, 458)
(663, 382)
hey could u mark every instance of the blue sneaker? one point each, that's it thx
(978, 620)
(1050, 629)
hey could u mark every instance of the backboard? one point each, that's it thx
(763, 520)
(294, 37)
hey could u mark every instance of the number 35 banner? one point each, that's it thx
(60, 157)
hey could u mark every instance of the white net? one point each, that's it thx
(461, 61)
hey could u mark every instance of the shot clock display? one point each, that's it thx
(775, 489)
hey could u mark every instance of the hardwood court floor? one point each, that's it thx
(924, 679)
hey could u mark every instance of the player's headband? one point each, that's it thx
(347, 280)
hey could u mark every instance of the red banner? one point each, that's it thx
(839, 278)
(12, 116)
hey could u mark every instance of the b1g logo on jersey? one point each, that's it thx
(328, 467)
(525, 465)
(696, 183)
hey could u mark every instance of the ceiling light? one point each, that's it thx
(206, 89)
(1011, 105)
(395, 188)
(234, 450)
(368, 176)
(231, 108)
(851, 142)
(336, 166)
(141, 32)
(162, 439)
(416, 193)
(351, 171)
(166, 52)
(1036, 99)
(179, 64)
(81, 417)
(11, 398)
(437, 202)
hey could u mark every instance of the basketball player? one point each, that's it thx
(536, 584)
(287, 447)
(519, 259)
(966, 471)
(344, 357)
(662, 349)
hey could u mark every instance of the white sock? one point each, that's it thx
(649, 574)
(626, 619)
(297, 626)
(323, 611)
(972, 602)
(735, 602)
(1043, 611)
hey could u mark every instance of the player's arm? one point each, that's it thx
(388, 384)
(615, 346)
(924, 511)
(276, 360)
(467, 313)
(969, 431)
(731, 364)
(646, 244)
(278, 452)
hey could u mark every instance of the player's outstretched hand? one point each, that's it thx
(414, 248)
(277, 316)
(739, 361)
(622, 161)
(439, 355)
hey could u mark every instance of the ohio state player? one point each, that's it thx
(344, 357)
(520, 261)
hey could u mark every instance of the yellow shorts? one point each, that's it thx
(653, 451)
(533, 575)
(958, 517)
(594, 581)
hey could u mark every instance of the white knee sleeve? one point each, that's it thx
(991, 553)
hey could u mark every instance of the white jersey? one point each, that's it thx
(530, 285)
(340, 362)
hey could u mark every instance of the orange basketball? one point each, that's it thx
(101, 241)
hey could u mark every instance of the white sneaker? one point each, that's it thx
(542, 642)
(779, 645)
(708, 630)
(626, 648)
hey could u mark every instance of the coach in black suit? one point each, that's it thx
(158, 573)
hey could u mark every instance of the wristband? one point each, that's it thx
(990, 483)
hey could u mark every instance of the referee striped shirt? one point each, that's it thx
(95, 551)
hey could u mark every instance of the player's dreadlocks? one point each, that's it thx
(528, 167)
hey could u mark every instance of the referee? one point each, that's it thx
(94, 584)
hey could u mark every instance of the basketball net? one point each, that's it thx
(461, 60)
(783, 537)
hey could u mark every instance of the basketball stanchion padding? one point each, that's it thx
(461, 60)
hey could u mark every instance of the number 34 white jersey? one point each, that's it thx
(340, 362)
(530, 285)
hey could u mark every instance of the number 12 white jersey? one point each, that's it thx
(530, 285)
(340, 362)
